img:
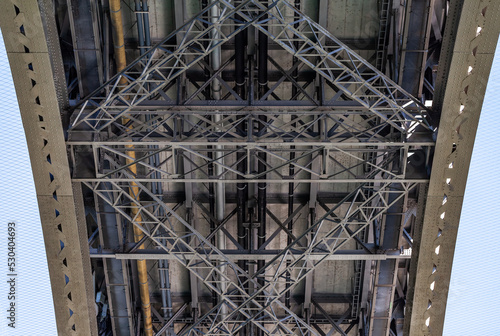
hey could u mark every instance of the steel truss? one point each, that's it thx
(151, 76)
(199, 256)
(111, 159)
(284, 125)
(366, 204)
(370, 120)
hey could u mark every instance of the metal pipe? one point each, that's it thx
(118, 39)
(147, 33)
(241, 204)
(163, 265)
(210, 154)
(242, 187)
(291, 167)
(121, 62)
(166, 294)
(295, 73)
(216, 53)
(140, 26)
(211, 202)
(291, 172)
(262, 206)
(220, 189)
(141, 264)
(262, 73)
(239, 53)
(208, 60)
(261, 166)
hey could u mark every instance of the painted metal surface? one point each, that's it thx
(472, 55)
(327, 122)
(36, 72)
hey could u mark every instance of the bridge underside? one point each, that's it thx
(250, 167)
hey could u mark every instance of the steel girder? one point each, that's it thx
(341, 255)
(345, 163)
(284, 125)
(470, 43)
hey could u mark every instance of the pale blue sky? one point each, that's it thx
(35, 310)
(474, 294)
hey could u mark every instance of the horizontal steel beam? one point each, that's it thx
(349, 145)
(159, 107)
(111, 162)
(249, 180)
(340, 255)
(320, 126)
(183, 297)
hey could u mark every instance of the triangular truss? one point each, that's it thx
(134, 95)
(278, 276)
(150, 77)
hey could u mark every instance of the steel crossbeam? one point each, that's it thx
(339, 164)
(321, 125)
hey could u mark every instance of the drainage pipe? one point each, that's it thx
(120, 58)
(239, 54)
(118, 39)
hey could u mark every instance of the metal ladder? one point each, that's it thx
(358, 267)
(384, 25)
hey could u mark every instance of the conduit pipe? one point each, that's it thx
(142, 16)
(140, 25)
(121, 62)
(291, 168)
(118, 39)
(211, 155)
(261, 166)
(220, 190)
(147, 34)
(242, 187)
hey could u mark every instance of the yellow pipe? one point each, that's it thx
(118, 39)
(121, 62)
